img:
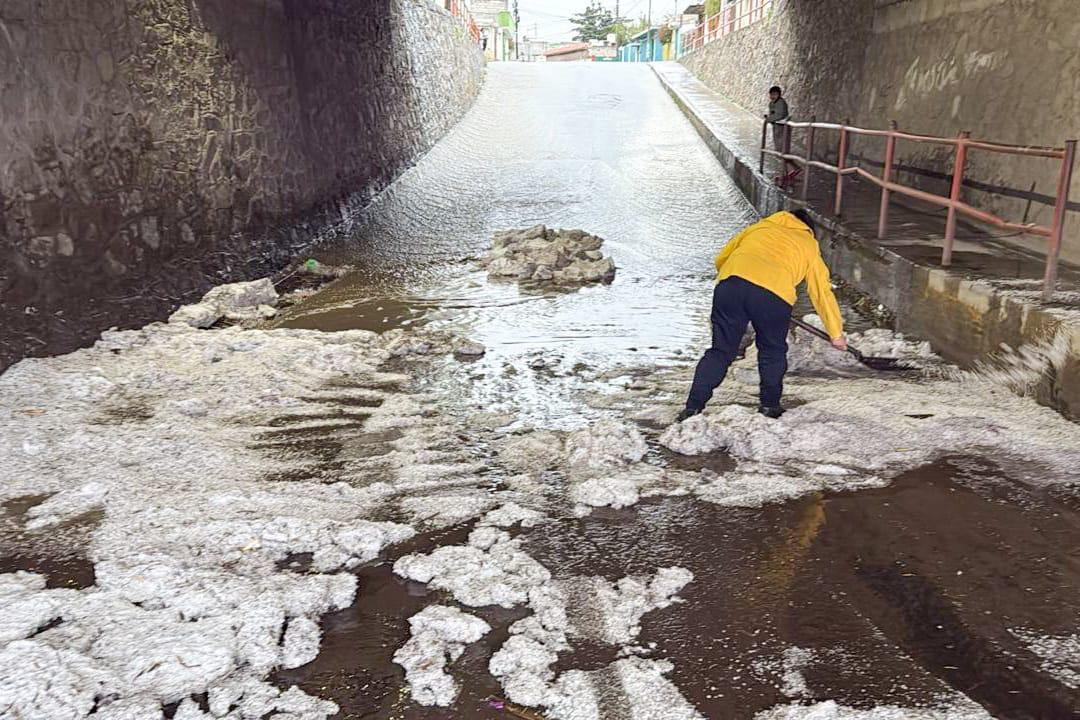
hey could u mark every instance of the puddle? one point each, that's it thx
(896, 596)
(902, 593)
(73, 573)
(355, 666)
(57, 552)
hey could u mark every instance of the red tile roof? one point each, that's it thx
(564, 49)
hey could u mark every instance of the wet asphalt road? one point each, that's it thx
(573, 145)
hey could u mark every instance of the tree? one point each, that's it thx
(712, 7)
(626, 29)
(594, 23)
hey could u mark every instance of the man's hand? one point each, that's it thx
(840, 343)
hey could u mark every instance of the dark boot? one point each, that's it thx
(771, 412)
(686, 414)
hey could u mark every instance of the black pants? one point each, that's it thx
(736, 303)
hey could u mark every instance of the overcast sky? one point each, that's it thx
(550, 19)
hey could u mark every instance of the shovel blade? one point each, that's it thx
(883, 363)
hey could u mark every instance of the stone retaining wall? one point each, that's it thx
(149, 149)
(1006, 70)
(966, 321)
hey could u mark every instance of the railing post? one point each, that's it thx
(841, 165)
(954, 197)
(764, 137)
(809, 157)
(886, 177)
(1057, 230)
(787, 149)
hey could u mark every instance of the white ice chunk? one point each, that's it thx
(498, 573)
(301, 643)
(439, 636)
(511, 514)
(963, 709)
(605, 444)
(616, 492)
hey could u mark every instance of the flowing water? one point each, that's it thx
(572, 146)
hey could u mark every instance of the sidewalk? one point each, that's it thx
(989, 297)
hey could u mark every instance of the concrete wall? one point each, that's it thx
(151, 148)
(1007, 70)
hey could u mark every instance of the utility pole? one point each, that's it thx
(618, 21)
(650, 13)
(517, 32)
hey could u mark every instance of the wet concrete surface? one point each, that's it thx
(900, 596)
(897, 595)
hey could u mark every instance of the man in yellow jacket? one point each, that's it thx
(758, 272)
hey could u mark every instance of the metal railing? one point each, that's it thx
(888, 184)
(458, 9)
(731, 18)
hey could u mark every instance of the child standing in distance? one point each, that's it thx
(778, 117)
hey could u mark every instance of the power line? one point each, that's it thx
(545, 14)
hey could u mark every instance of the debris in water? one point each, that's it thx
(239, 301)
(515, 710)
(559, 257)
(468, 348)
(321, 270)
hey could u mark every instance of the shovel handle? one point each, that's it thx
(811, 329)
(824, 336)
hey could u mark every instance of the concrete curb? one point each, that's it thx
(966, 321)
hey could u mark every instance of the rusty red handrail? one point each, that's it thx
(737, 16)
(458, 10)
(963, 143)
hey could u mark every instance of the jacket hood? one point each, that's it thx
(787, 221)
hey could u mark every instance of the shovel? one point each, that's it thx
(874, 363)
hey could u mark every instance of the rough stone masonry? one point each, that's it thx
(1005, 71)
(150, 149)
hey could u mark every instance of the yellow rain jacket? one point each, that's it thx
(778, 254)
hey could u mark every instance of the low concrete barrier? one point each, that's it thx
(966, 321)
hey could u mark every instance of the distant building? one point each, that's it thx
(603, 51)
(643, 47)
(592, 51)
(496, 24)
(693, 13)
(568, 52)
(686, 29)
(533, 50)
